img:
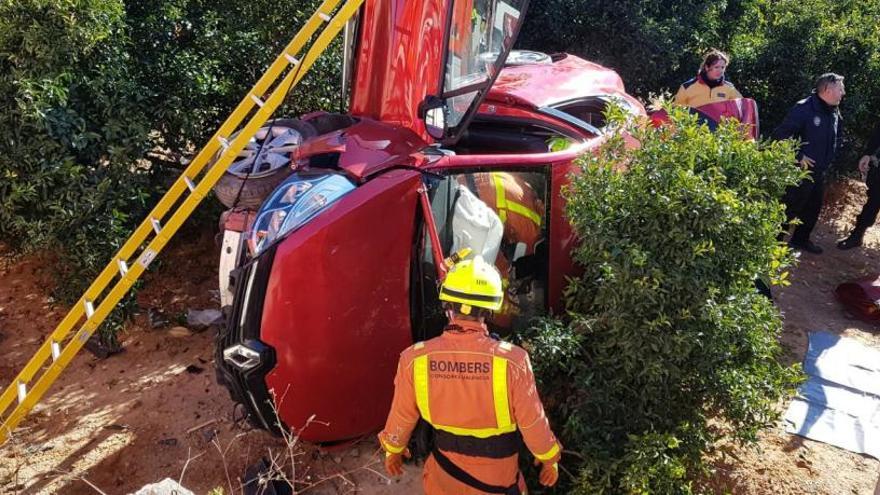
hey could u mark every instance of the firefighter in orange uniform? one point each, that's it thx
(477, 392)
(519, 207)
(521, 211)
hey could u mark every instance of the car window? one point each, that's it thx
(480, 33)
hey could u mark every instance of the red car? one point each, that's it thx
(442, 150)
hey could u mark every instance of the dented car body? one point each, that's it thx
(445, 148)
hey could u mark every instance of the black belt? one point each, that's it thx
(495, 447)
(463, 476)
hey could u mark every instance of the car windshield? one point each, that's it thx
(481, 31)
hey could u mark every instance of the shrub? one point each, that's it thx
(650, 43)
(73, 129)
(778, 48)
(98, 100)
(664, 329)
(827, 36)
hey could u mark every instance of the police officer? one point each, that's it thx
(816, 122)
(478, 393)
(870, 169)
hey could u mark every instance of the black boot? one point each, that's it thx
(805, 245)
(853, 241)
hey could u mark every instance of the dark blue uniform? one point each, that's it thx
(869, 212)
(818, 126)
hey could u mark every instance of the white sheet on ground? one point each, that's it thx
(839, 404)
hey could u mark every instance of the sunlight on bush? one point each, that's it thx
(665, 329)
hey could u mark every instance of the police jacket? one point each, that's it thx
(819, 128)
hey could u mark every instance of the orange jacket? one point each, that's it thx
(521, 211)
(516, 203)
(469, 384)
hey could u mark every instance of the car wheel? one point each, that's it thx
(527, 57)
(262, 164)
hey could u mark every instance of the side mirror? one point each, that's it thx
(433, 111)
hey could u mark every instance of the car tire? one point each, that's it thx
(527, 57)
(242, 187)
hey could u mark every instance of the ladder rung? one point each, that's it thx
(189, 183)
(147, 257)
(290, 58)
(258, 101)
(324, 17)
(90, 308)
(123, 267)
(56, 350)
(22, 392)
(223, 142)
(156, 225)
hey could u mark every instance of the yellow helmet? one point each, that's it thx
(473, 283)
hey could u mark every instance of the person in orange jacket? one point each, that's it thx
(517, 204)
(521, 211)
(478, 393)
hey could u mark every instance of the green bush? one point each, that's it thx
(664, 329)
(649, 43)
(778, 47)
(73, 129)
(826, 36)
(99, 100)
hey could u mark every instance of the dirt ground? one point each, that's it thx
(155, 411)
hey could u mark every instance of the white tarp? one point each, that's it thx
(839, 404)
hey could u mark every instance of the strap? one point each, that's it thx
(463, 476)
(497, 447)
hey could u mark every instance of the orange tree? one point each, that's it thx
(778, 47)
(664, 329)
(100, 99)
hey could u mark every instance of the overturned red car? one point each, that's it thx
(452, 142)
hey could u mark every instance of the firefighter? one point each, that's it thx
(522, 212)
(478, 393)
(519, 207)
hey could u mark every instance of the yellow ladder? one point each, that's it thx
(152, 235)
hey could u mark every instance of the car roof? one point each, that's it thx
(542, 85)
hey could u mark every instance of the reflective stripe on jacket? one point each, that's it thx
(696, 93)
(466, 383)
(516, 203)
